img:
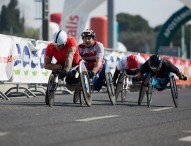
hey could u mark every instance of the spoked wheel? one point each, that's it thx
(110, 87)
(119, 86)
(49, 98)
(143, 88)
(86, 89)
(149, 95)
(174, 90)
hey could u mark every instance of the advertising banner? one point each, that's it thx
(75, 16)
(6, 62)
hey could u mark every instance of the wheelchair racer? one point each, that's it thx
(92, 52)
(160, 68)
(64, 50)
(130, 64)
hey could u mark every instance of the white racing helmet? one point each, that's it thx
(59, 37)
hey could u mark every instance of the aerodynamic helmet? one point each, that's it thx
(59, 37)
(155, 62)
(132, 62)
(88, 32)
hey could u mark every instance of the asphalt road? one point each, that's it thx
(29, 122)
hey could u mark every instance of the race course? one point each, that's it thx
(29, 121)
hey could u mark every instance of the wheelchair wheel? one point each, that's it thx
(149, 93)
(174, 90)
(119, 86)
(86, 89)
(143, 88)
(46, 97)
(124, 90)
(49, 98)
(77, 95)
(110, 87)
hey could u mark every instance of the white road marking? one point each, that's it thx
(187, 138)
(187, 131)
(3, 133)
(161, 109)
(96, 118)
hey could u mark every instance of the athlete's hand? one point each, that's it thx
(91, 74)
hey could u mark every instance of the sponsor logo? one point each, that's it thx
(26, 60)
(17, 63)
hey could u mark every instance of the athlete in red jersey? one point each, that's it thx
(64, 50)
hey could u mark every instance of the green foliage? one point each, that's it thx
(135, 33)
(11, 23)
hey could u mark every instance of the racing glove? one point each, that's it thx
(91, 74)
(181, 76)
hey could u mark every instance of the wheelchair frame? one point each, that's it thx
(149, 85)
(123, 85)
(84, 86)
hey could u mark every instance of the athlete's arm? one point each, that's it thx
(97, 65)
(48, 65)
(69, 58)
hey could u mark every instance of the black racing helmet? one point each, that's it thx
(155, 62)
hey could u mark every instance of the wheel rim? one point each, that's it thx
(85, 83)
(174, 91)
(110, 88)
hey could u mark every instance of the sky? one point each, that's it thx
(156, 12)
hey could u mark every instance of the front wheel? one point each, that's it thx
(144, 86)
(110, 87)
(149, 95)
(174, 90)
(86, 89)
(51, 87)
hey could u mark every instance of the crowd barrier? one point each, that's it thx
(22, 62)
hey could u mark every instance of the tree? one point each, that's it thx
(135, 33)
(10, 21)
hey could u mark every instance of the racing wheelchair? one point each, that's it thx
(82, 83)
(126, 84)
(151, 83)
(104, 78)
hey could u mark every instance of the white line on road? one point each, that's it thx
(187, 138)
(96, 118)
(3, 133)
(161, 109)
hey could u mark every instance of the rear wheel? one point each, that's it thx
(86, 89)
(174, 90)
(110, 87)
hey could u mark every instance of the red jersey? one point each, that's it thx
(60, 55)
(91, 54)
